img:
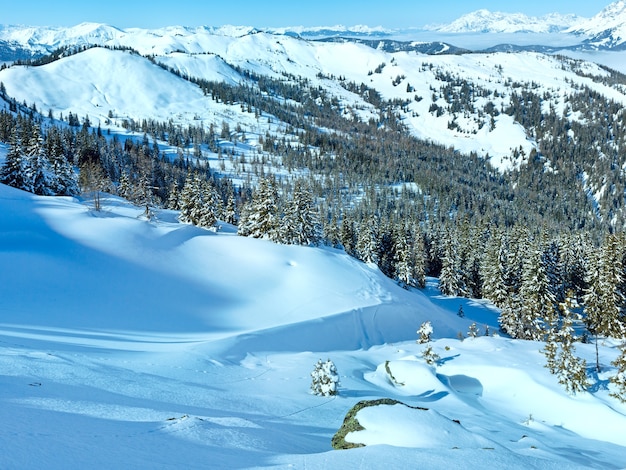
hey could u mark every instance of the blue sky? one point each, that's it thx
(158, 13)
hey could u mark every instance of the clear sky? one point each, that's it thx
(270, 13)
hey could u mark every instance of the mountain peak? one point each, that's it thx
(485, 21)
(607, 29)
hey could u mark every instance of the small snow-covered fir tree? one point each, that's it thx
(619, 379)
(551, 350)
(430, 356)
(325, 379)
(473, 331)
(425, 331)
(571, 370)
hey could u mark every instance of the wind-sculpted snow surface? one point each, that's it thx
(152, 344)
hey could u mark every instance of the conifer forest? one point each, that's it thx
(534, 239)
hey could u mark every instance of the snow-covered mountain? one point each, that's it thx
(485, 21)
(606, 30)
(104, 83)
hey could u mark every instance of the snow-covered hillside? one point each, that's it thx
(117, 85)
(135, 343)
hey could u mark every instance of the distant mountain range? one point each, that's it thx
(605, 31)
(485, 21)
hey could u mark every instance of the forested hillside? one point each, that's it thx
(309, 159)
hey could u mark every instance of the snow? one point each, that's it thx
(153, 344)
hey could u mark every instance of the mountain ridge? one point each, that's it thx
(485, 21)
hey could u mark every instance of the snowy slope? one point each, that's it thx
(154, 344)
(100, 83)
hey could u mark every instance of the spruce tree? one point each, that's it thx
(209, 205)
(510, 318)
(189, 200)
(571, 370)
(230, 211)
(348, 235)
(536, 296)
(603, 300)
(450, 279)
(261, 217)
(619, 379)
(300, 224)
(13, 170)
(124, 188)
(367, 240)
(38, 172)
(404, 261)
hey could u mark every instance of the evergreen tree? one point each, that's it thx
(66, 178)
(450, 279)
(13, 170)
(124, 188)
(173, 198)
(619, 379)
(418, 258)
(493, 271)
(300, 224)
(510, 318)
(425, 332)
(209, 205)
(473, 331)
(603, 300)
(190, 200)
(261, 217)
(571, 370)
(230, 211)
(551, 349)
(348, 235)
(405, 261)
(430, 356)
(367, 240)
(536, 297)
(198, 202)
(325, 379)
